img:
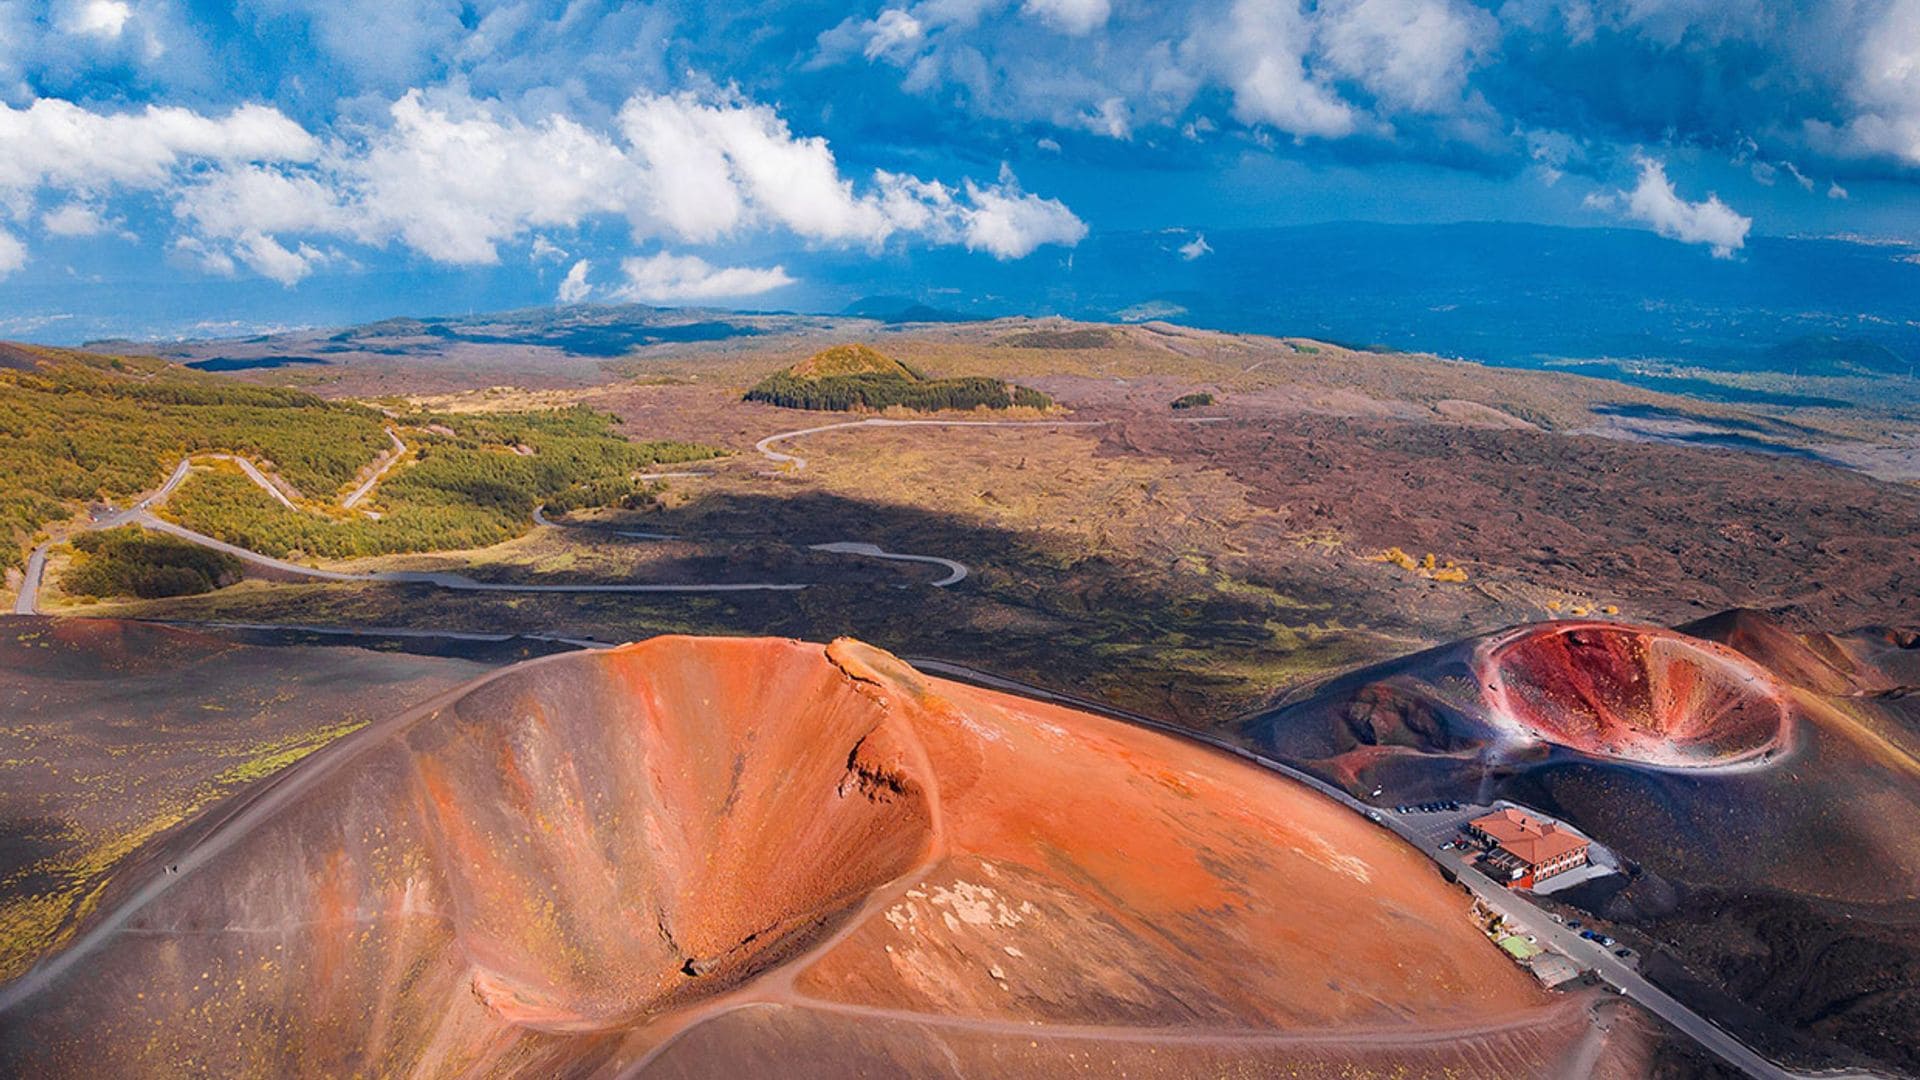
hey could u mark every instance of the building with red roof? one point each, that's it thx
(1526, 850)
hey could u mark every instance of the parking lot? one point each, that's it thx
(1437, 827)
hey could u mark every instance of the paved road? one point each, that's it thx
(366, 486)
(445, 579)
(956, 571)
(28, 600)
(765, 446)
(1519, 912)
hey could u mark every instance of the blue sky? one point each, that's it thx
(671, 152)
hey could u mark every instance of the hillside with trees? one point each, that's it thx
(79, 428)
(474, 481)
(846, 378)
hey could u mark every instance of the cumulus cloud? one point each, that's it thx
(1413, 55)
(13, 253)
(270, 259)
(452, 179)
(574, 288)
(1070, 16)
(1260, 53)
(74, 219)
(455, 179)
(60, 144)
(1009, 224)
(1654, 201)
(668, 279)
(1885, 89)
(1195, 248)
(97, 18)
(893, 32)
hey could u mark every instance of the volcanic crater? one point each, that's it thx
(713, 856)
(1634, 693)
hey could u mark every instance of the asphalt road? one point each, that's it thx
(366, 486)
(765, 446)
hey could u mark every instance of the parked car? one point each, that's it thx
(1590, 935)
(1623, 953)
(1604, 940)
(1573, 924)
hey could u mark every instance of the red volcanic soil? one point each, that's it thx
(1633, 692)
(722, 857)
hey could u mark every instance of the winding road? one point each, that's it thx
(795, 461)
(27, 600)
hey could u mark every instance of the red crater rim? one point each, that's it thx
(1634, 693)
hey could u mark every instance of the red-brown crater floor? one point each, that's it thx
(756, 857)
(1636, 693)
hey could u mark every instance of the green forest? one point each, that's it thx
(80, 428)
(130, 561)
(882, 390)
(473, 487)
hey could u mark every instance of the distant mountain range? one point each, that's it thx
(1517, 295)
(1508, 294)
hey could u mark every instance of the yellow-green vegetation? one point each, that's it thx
(851, 360)
(474, 481)
(1430, 567)
(76, 427)
(847, 377)
(130, 561)
(35, 925)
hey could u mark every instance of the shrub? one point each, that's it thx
(1196, 400)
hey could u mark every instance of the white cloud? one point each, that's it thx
(61, 144)
(97, 18)
(1008, 223)
(454, 179)
(13, 253)
(233, 202)
(1195, 247)
(1413, 55)
(1835, 191)
(267, 257)
(213, 259)
(893, 32)
(1885, 88)
(1654, 201)
(574, 288)
(714, 166)
(1259, 52)
(74, 219)
(667, 278)
(1075, 17)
